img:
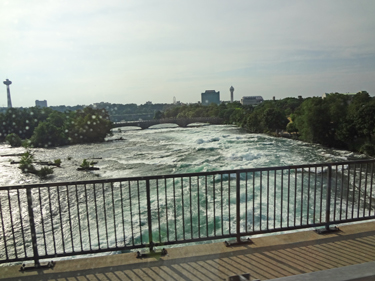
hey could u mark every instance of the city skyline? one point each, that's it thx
(141, 51)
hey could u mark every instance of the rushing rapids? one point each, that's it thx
(170, 151)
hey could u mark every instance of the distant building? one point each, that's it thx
(231, 89)
(7, 82)
(210, 96)
(251, 100)
(41, 103)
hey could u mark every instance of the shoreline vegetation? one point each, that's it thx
(338, 121)
(44, 127)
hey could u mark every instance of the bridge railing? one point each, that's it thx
(51, 220)
(183, 122)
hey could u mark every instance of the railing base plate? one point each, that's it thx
(30, 266)
(152, 254)
(236, 243)
(326, 231)
(242, 277)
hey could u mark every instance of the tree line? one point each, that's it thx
(45, 127)
(339, 120)
(121, 112)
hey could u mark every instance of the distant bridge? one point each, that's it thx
(182, 122)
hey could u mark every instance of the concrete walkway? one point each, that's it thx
(268, 257)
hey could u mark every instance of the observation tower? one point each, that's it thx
(8, 82)
(231, 89)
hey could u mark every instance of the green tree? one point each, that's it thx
(253, 123)
(48, 135)
(313, 122)
(21, 121)
(365, 121)
(57, 119)
(14, 140)
(158, 115)
(274, 119)
(358, 101)
(89, 125)
(291, 127)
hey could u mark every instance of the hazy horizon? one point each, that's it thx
(138, 51)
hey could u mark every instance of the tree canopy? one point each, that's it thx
(45, 127)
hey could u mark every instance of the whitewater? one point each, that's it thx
(169, 150)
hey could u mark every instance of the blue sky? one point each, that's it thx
(83, 52)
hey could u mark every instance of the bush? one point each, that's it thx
(291, 127)
(26, 163)
(44, 172)
(57, 162)
(14, 140)
(368, 149)
(85, 164)
(26, 144)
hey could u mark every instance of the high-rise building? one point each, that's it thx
(41, 103)
(210, 96)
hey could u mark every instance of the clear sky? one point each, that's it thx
(124, 51)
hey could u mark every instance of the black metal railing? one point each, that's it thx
(42, 221)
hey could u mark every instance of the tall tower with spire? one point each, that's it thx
(231, 89)
(8, 82)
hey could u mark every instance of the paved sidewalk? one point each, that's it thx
(269, 257)
(359, 272)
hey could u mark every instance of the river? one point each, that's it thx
(169, 150)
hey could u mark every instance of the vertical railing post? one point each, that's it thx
(328, 199)
(32, 226)
(149, 217)
(238, 217)
(327, 227)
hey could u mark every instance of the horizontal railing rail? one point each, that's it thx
(48, 220)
